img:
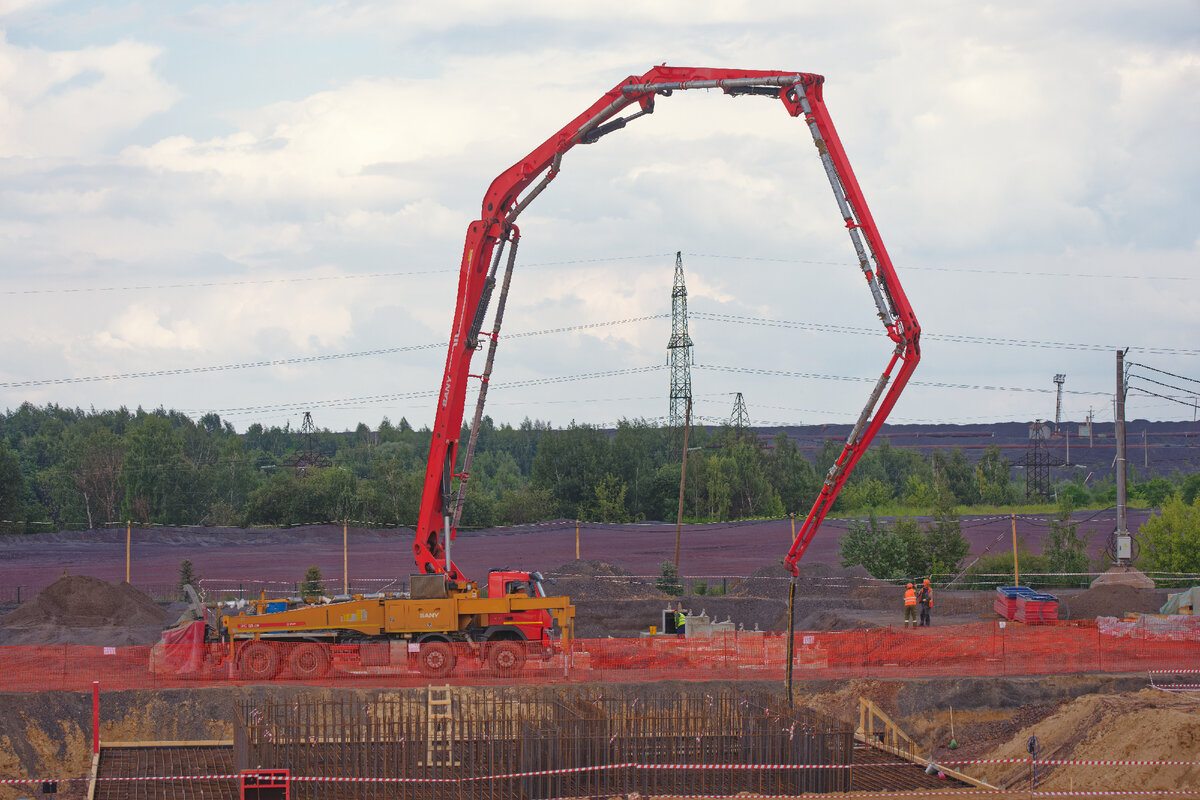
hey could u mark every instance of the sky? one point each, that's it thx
(258, 209)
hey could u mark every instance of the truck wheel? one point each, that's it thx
(309, 661)
(260, 661)
(506, 658)
(436, 659)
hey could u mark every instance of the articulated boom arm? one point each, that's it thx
(513, 190)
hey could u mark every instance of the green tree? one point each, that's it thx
(187, 576)
(313, 584)
(993, 476)
(918, 493)
(525, 504)
(610, 499)
(945, 545)
(954, 474)
(870, 493)
(156, 477)
(12, 484)
(1065, 550)
(1189, 488)
(668, 580)
(98, 475)
(876, 547)
(1075, 495)
(1154, 492)
(1171, 539)
(569, 463)
(792, 476)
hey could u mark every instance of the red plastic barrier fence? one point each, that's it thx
(979, 649)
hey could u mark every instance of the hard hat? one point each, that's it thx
(910, 586)
(927, 581)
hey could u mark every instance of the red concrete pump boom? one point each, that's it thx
(513, 190)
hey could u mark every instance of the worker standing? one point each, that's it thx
(925, 598)
(680, 621)
(910, 606)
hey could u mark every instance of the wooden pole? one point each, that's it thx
(128, 536)
(1016, 570)
(687, 427)
(95, 718)
(576, 540)
(793, 516)
(345, 560)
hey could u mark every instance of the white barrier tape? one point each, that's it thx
(923, 794)
(628, 765)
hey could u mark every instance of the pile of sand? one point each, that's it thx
(1149, 725)
(1113, 600)
(83, 610)
(815, 579)
(600, 581)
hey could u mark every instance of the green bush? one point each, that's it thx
(668, 581)
(313, 583)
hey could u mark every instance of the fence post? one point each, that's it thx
(95, 718)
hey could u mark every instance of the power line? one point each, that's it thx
(1163, 372)
(1162, 396)
(928, 384)
(302, 359)
(967, 270)
(1160, 383)
(305, 279)
(959, 338)
(567, 262)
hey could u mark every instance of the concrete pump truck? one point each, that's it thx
(444, 617)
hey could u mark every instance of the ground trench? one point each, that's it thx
(49, 734)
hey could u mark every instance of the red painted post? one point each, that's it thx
(96, 718)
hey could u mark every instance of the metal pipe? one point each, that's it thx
(724, 83)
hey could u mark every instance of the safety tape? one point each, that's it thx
(626, 765)
(924, 794)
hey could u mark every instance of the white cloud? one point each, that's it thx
(74, 103)
(1009, 139)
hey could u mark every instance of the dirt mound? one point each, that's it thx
(1114, 600)
(829, 620)
(1148, 725)
(80, 601)
(599, 580)
(815, 579)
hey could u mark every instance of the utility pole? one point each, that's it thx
(1124, 544)
(682, 480)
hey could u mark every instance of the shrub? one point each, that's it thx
(313, 583)
(668, 581)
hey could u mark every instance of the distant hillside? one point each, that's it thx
(1153, 448)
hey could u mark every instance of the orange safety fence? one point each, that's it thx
(986, 648)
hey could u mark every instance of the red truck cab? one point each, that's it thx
(534, 624)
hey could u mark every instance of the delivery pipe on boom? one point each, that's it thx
(801, 95)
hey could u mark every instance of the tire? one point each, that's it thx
(506, 658)
(309, 661)
(259, 661)
(436, 659)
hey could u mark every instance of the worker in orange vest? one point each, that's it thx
(910, 606)
(925, 598)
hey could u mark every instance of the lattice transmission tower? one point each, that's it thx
(739, 420)
(679, 349)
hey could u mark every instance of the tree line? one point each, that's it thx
(63, 468)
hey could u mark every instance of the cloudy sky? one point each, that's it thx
(258, 208)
